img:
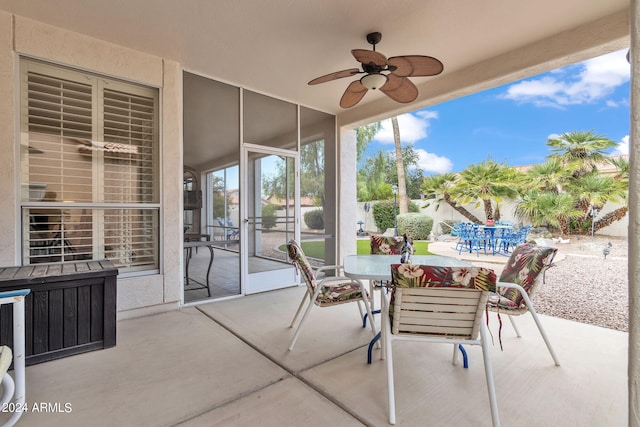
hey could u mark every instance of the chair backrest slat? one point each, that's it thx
(439, 301)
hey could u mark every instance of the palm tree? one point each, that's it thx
(547, 176)
(436, 189)
(580, 151)
(593, 191)
(402, 182)
(622, 178)
(622, 164)
(548, 209)
(487, 183)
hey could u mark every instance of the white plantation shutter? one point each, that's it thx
(59, 112)
(129, 134)
(89, 168)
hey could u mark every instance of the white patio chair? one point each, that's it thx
(328, 292)
(521, 276)
(438, 305)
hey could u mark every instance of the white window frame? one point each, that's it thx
(148, 152)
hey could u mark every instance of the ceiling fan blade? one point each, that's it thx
(400, 89)
(353, 94)
(364, 56)
(415, 65)
(334, 76)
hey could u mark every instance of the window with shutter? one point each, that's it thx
(89, 168)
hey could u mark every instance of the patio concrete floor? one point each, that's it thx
(226, 364)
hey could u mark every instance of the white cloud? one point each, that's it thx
(413, 127)
(622, 148)
(430, 162)
(583, 83)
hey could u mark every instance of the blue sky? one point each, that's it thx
(512, 123)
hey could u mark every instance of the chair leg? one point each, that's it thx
(390, 385)
(465, 358)
(454, 361)
(495, 417)
(368, 306)
(532, 310)
(299, 328)
(304, 298)
(515, 327)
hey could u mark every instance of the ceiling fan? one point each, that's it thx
(394, 84)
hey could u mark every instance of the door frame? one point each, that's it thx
(275, 279)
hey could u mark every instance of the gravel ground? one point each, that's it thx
(586, 287)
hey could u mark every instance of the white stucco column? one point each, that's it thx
(634, 221)
(347, 194)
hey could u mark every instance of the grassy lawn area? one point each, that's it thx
(420, 247)
(315, 249)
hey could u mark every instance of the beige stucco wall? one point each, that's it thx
(507, 209)
(8, 232)
(21, 36)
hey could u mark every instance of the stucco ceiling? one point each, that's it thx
(276, 46)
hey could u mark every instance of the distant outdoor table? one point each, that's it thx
(188, 246)
(378, 268)
(492, 231)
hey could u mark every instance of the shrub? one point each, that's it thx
(314, 219)
(269, 217)
(418, 226)
(383, 214)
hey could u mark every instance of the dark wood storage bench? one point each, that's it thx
(71, 308)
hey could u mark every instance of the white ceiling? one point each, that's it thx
(276, 46)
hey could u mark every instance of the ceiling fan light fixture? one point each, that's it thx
(373, 81)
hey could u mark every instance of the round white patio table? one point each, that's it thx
(378, 267)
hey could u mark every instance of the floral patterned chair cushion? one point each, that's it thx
(297, 256)
(527, 262)
(335, 292)
(382, 245)
(414, 275)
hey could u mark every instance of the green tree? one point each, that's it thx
(218, 198)
(622, 177)
(571, 173)
(547, 176)
(364, 135)
(579, 151)
(379, 172)
(373, 182)
(414, 175)
(548, 209)
(486, 183)
(437, 190)
(311, 175)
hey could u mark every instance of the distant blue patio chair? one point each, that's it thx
(230, 231)
(514, 238)
(473, 238)
(233, 232)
